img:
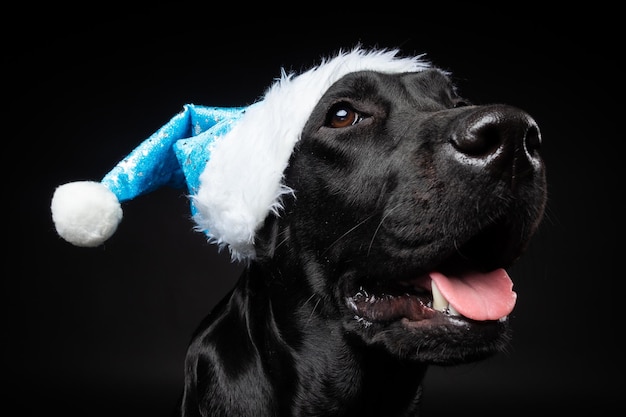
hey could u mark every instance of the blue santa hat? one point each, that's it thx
(230, 160)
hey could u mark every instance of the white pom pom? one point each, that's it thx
(85, 213)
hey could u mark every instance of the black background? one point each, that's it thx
(103, 331)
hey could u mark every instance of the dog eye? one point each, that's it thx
(342, 115)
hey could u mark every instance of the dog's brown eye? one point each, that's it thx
(342, 115)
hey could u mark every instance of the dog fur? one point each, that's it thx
(394, 176)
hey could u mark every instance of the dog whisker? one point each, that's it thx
(353, 228)
(313, 310)
(308, 299)
(380, 223)
(457, 248)
(282, 242)
(314, 307)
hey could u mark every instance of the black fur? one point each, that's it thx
(394, 176)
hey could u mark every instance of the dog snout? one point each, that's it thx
(501, 139)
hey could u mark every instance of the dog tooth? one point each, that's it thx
(439, 302)
(452, 311)
(361, 293)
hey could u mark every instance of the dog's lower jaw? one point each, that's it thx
(442, 339)
(414, 323)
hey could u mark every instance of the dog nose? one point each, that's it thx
(501, 139)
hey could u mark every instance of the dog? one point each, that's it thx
(398, 192)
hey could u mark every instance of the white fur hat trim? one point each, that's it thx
(243, 181)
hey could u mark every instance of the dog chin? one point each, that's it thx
(437, 338)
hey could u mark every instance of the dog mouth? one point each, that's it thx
(471, 295)
(471, 285)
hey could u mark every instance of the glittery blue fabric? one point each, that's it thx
(175, 155)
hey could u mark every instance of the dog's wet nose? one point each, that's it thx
(499, 138)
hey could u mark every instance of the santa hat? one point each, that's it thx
(230, 160)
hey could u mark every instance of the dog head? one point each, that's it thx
(365, 184)
(408, 204)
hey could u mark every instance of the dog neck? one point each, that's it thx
(288, 322)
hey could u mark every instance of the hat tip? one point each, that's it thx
(85, 213)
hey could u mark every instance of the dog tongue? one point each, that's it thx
(478, 296)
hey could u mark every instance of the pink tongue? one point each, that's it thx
(478, 296)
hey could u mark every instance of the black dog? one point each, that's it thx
(398, 182)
